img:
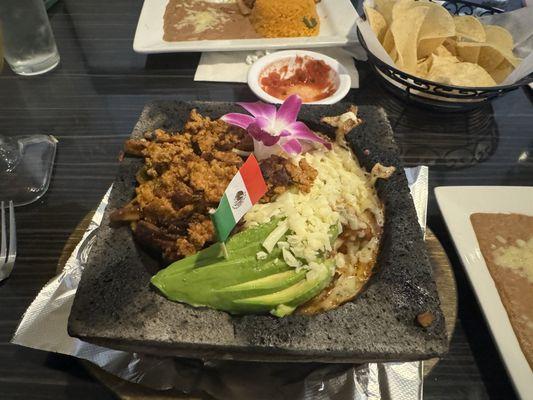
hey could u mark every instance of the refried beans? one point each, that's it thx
(201, 20)
(506, 242)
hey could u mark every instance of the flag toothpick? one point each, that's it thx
(244, 190)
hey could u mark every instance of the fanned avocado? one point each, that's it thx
(242, 283)
(284, 302)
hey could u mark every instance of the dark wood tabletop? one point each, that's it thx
(91, 102)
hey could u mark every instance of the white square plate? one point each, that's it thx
(337, 28)
(457, 203)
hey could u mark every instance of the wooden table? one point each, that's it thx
(91, 104)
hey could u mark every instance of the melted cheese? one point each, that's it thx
(340, 195)
(201, 21)
(518, 258)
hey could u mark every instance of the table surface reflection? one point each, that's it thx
(91, 104)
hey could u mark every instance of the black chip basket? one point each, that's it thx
(437, 95)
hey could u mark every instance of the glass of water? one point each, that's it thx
(1, 52)
(29, 45)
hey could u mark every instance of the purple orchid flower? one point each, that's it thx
(271, 128)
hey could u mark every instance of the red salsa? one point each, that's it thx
(309, 78)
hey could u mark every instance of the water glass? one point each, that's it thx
(1, 52)
(29, 45)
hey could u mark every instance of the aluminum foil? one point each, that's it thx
(44, 327)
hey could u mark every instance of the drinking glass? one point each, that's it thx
(1, 52)
(29, 45)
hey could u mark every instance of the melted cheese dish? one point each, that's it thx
(342, 199)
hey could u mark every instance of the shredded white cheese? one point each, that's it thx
(275, 236)
(200, 21)
(339, 197)
(501, 239)
(289, 258)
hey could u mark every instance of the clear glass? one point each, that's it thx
(1, 52)
(26, 164)
(29, 45)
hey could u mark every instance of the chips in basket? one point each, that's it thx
(425, 40)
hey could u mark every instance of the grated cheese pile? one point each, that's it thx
(340, 195)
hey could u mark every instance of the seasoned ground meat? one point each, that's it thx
(185, 174)
(280, 174)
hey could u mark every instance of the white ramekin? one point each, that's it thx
(257, 68)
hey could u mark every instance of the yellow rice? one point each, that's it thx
(285, 18)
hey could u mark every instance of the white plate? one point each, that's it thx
(337, 28)
(456, 204)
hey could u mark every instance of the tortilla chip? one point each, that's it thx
(442, 51)
(502, 71)
(388, 41)
(501, 40)
(469, 28)
(468, 52)
(400, 7)
(499, 37)
(377, 22)
(427, 46)
(450, 44)
(439, 61)
(460, 74)
(384, 7)
(423, 66)
(438, 25)
(403, 31)
(489, 58)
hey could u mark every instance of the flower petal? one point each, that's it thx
(263, 123)
(242, 120)
(261, 135)
(260, 109)
(291, 146)
(299, 130)
(289, 110)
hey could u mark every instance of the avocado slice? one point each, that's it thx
(284, 302)
(245, 243)
(277, 281)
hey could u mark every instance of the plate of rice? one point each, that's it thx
(167, 26)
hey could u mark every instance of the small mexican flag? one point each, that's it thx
(244, 190)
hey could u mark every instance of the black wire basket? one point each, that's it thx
(437, 95)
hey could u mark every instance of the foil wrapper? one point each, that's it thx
(44, 327)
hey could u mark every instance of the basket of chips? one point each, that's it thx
(447, 55)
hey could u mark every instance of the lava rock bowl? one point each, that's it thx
(115, 305)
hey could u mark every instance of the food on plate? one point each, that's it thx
(239, 19)
(309, 244)
(506, 242)
(425, 40)
(274, 18)
(204, 20)
(305, 76)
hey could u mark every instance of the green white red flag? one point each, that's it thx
(244, 190)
